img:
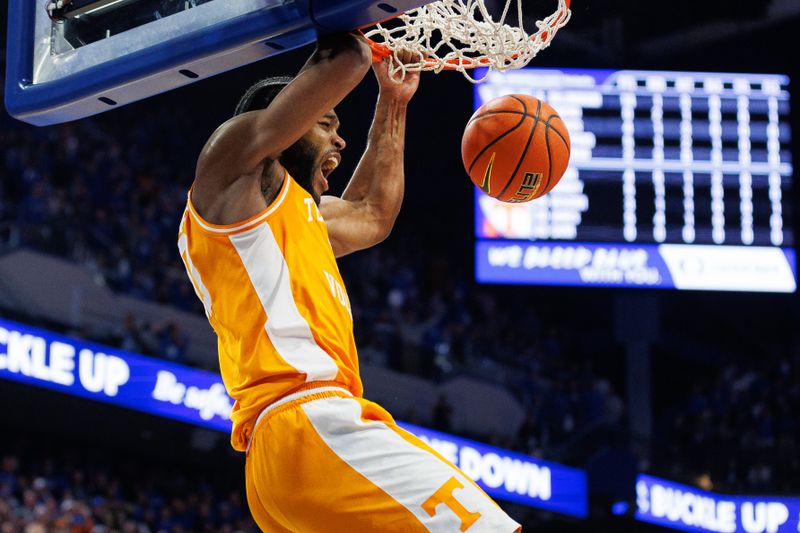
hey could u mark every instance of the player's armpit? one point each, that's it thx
(353, 225)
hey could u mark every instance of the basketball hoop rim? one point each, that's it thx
(380, 51)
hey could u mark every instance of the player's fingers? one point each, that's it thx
(406, 56)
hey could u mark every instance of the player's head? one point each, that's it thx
(316, 154)
(261, 94)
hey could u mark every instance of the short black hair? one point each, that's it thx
(261, 94)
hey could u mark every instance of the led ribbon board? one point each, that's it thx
(677, 180)
(37, 357)
(511, 476)
(677, 506)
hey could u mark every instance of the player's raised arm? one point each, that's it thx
(242, 143)
(365, 214)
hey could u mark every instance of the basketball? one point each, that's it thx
(515, 148)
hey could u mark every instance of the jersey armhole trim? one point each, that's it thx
(253, 220)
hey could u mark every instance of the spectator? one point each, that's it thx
(172, 343)
(442, 411)
(108, 192)
(61, 498)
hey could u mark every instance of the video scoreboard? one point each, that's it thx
(676, 180)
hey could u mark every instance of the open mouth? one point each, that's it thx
(329, 164)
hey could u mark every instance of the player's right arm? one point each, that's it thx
(239, 146)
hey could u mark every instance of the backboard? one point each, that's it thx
(90, 56)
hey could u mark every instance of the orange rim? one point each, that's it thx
(380, 51)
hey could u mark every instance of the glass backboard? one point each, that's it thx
(89, 56)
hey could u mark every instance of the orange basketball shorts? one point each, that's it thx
(323, 461)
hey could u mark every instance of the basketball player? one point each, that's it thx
(259, 242)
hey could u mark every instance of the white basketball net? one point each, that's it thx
(462, 35)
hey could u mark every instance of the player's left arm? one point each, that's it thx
(365, 214)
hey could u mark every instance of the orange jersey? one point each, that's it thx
(272, 291)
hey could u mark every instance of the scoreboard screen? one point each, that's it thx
(677, 180)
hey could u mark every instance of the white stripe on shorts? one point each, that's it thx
(405, 472)
(290, 398)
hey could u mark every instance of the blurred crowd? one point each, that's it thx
(108, 192)
(738, 431)
(49, 495)
(165, 341)
(414, 312)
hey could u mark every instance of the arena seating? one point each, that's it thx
(113, 188)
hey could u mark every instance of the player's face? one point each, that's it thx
(315, 156)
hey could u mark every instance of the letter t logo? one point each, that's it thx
(445, 495)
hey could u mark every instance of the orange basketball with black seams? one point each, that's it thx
(515, 148)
